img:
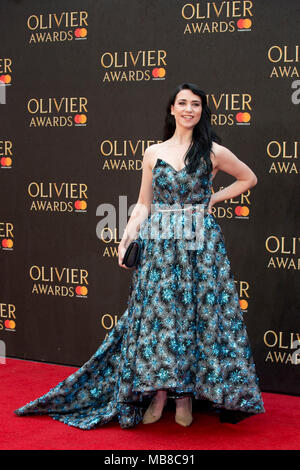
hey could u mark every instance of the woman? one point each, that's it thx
(183, 334)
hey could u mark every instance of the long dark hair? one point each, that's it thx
(203, 135)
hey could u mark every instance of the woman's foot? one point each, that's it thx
(184, 411)
(155, 409)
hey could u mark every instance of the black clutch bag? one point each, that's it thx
(132, 254)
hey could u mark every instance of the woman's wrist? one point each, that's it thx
(123, 244)
(214, 198)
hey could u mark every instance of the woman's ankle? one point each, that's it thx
(182, 402)
(161, 394)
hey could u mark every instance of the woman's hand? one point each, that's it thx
(121, 253)
(211, 204)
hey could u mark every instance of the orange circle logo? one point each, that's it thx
(80, 32)
(5, 78)
(243, 117)
(6, 161)
(10, 324)
(245, 211)
(81, 290)
(7, 243)
(243, 304)
(242, 211)
(84, 290)
(80, 118)
(245, 23)
(159, 72)
(80, 205)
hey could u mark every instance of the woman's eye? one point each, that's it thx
(195, 104)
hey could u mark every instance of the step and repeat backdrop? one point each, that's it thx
(84, 89)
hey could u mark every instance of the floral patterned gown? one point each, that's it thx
(183, 329)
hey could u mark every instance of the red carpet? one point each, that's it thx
(22, 381)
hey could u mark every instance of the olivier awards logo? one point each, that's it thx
(283, 157)
(58, 197)
(61, 282)
(133, 66)
(283, 347)
(217, 17)
(6, 236)
(284, 60)
(7, 317)
(58, 112)
(229, 109)
(57, 27)
(284, 252)
(6, 154)
(121, 155)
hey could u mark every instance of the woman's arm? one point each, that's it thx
(141, 209)
(226, 161)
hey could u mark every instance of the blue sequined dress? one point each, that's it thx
(182, 331)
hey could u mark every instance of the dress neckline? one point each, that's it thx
(167, 163)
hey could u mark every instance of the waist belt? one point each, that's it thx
(191, 208)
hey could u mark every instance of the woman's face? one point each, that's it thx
(187, 108)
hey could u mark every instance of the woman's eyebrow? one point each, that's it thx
(194, 101)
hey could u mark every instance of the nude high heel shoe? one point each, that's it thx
(186, 419)
(149, 417)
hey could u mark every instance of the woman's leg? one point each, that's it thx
(155, 409)
(158, 402)
(183, 406)
(183, 414)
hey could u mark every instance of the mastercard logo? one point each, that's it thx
(5, 78)
(80, 118)
(242, 211)
(80, 205)
(7, 243)
(243, 117)
(80, 33)
(245, 23)
(81, 290)
(6, 162)
(159, 72)
(243, 304)
(10, 324)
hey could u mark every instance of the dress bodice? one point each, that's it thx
(178, 187)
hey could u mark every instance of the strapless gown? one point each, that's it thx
(183, 329)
